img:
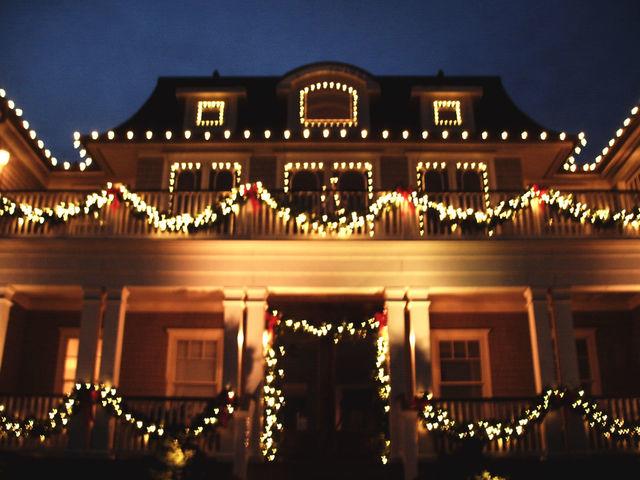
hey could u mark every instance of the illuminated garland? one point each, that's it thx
(85, 395)
(274, 375)
(434, 418)
(340, 223)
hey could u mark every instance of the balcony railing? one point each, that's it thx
(256, 220)
(177, 411)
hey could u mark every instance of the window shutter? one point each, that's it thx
(149, 173)
(508, 173)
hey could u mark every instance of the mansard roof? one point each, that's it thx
(393, 105)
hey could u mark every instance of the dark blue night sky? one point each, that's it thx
(83, 65)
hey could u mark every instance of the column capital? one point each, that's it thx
(534, 294)
(561, 294)
(92, 293)
(7, 292)
(395, 293)
(117, 294)
(256, 294)
(418, 294)
(233, 293)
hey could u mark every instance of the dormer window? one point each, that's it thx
(328, 104)
(210, 113)
(447, 113)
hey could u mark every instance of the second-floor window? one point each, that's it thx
(435, 181)
(188, 180)
(221, 180)
(68, 360)
(469, 181)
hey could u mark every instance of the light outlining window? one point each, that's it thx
(424, 167)
(213, 108)
(481, 168)
(447, 113)
(306, 92)
(299, 166)
(178, 167)
(364, 167)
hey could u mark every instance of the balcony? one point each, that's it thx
(177, 412)
(312, 215)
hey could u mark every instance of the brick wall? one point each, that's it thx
(31, 351)
(509, 348)
(617, 345)
(145, 345)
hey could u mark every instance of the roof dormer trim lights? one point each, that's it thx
(449, 106)
(307, 91)
(205, 106)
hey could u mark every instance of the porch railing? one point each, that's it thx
(175, 411)
(260, 222)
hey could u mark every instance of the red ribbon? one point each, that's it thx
(272, 321)
(115, 193)
(382, 319)
(406, 195)
(252, 195)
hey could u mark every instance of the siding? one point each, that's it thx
(509, 348)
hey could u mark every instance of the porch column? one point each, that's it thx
(233, 306)
(421, 377)
(395, 305)
(90, 320)
(541, 341)
(420, 340)
(253, 363)
(567, 359)
(234, 438)
(6, 296)
(109, 374)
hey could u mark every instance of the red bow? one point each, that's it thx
(252, 195)
(115, 193)
(272, 321)
(382, 319)
(406, 195)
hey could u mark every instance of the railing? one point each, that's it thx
(257, 221)
(534, 441)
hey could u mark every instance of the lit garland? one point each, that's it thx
(85, 395)
(434, 418)
(341, 223)
(274, 374)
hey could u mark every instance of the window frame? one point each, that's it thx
(481, 335)
(589, 334)
(176, 334)
(64, 335)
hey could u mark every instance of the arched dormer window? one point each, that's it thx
(328, 104)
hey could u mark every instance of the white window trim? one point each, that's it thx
(175, 334)
(589, 334)
(478, 334)
(64, 334)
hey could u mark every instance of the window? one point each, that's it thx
(469, 181)
(221, 180)
(210, 113)
(188, 180)
(447, 113)
(194, 362)
(436, 181)
(461, 363)
(329, 103)
(68, 359)
(588, 370)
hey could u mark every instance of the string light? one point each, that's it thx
(207, 107)
(308, 91)
(449, 106)
(275, 352)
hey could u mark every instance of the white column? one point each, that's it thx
(90, 323)
(565, 338)
(421, 377)
(253, 362)
(233, 305)
(395, 305)
(112, 335)
(544, 370)
(420, 340)
(6, 295)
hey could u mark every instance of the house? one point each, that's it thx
(300, 220)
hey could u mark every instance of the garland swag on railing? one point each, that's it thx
(86, 395)
(434, 418)
(339, 222)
